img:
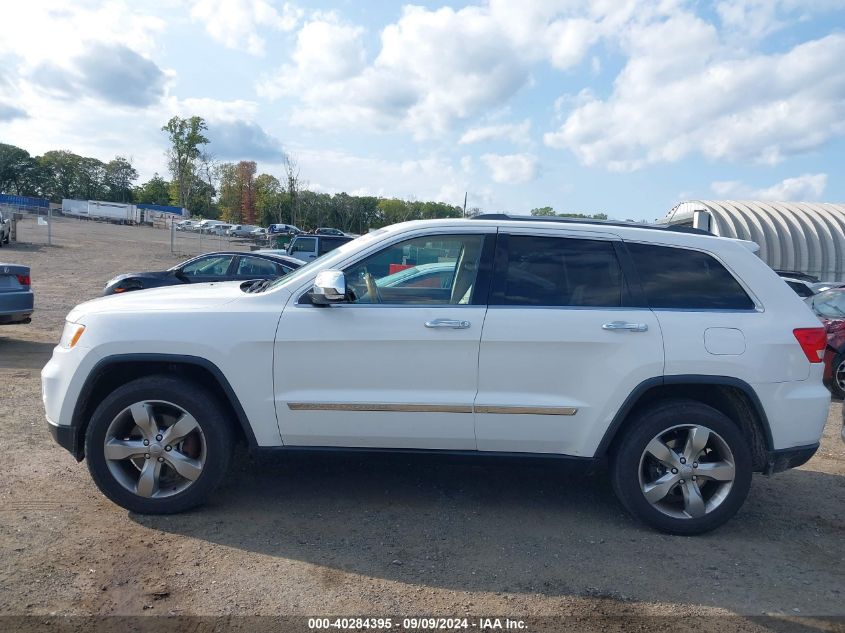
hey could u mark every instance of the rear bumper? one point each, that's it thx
(16, 307)
(787, 458)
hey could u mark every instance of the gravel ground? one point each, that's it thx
(393, 535)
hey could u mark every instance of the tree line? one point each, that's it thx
(208, 188)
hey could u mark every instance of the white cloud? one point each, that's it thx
(804, 187)
(328, 53)
(683, 92)
(512, 169)
(235, 23)
(513, 132)
(437, 68)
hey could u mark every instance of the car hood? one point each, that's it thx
(181, 298)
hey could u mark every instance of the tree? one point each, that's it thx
(292, 185)
(229, 199)
(543, 211)
(186, 138)
(155, 191)
(61, 174)
(270, 200)
(15, 167)
(90, 178)
(246, 185)
(119, 176)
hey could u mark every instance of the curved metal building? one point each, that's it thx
(805, 236)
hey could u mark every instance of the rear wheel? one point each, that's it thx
(837, 383)
(158, 445)
(682, 467)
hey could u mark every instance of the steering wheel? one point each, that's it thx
(372, 288)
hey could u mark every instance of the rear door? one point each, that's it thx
(566, 340)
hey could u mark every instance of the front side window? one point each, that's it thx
(215, 266)
(432, 270)
(680, 278)
(559, 271)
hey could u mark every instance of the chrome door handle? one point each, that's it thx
(454, 324)
(622, 325)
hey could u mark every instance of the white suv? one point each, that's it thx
(679, 357)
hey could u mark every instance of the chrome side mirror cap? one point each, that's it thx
(329, 287)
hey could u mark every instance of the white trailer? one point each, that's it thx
(114, 212)
(98, 210)
(75, 208)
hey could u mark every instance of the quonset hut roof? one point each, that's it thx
(803, 236)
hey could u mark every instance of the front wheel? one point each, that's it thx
(682, 467)
(158, 445)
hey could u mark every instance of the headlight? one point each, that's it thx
(71, 334)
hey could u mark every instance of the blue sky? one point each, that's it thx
(621, 106)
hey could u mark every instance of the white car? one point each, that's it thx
(679, 357)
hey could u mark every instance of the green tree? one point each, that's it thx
(543, 211)
(155, 191)
(61, 174)
(186, 141)
(118, 179)
(16, 167)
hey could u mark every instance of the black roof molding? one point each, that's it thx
(675, 228)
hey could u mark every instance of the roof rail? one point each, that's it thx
(675, 228)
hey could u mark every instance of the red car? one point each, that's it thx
(830, 308)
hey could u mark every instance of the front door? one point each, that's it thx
(565, 342)
(397, 365)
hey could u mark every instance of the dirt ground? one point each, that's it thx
(354, 535)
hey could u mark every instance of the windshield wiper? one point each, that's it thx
(259, 285)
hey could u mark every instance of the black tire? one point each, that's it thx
(835, 389)
(656, 420)
(194, 399)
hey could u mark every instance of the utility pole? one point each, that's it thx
(465, 203)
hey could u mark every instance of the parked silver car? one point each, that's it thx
(16, 298)
(241, 230)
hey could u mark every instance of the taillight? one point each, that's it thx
(24, 280)
(813, 341)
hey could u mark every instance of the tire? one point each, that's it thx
(838, 366)
(202, 455)
(673, 505)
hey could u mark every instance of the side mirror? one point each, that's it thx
(329, 287)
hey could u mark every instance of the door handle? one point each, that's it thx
(622, 325)
(454, 324)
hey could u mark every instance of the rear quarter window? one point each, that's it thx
(680, 278)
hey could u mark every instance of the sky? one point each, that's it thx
(625, 107)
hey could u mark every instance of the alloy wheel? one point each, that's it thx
(839, 375)
(686, 471)
(155, 449)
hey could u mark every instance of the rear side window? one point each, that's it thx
(679, 278)
(555, 271)
(330, 243)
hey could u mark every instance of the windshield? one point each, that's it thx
(829, 304)
(327, 260)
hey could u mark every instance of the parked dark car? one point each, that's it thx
(220, 266)
(794, 274)
(325, 230)
(308, 247)
(16, 298)
(830, 308)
